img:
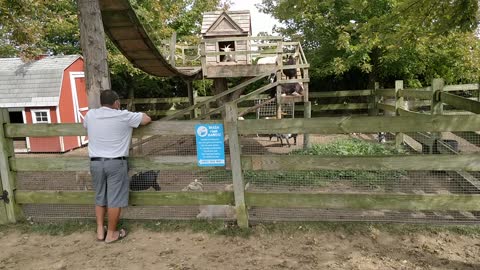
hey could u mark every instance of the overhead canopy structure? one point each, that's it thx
(124, 29)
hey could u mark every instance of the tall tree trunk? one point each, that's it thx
(92, 41)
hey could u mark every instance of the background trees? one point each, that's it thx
(381, 40)
(349, 43)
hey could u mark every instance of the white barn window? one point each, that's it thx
(41, 116)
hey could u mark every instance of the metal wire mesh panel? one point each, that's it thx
(168, 147)
(306, 214)
(345, 181)
(270, 109)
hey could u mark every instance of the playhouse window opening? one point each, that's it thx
(225, 44)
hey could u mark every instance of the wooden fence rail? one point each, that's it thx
(413, 123)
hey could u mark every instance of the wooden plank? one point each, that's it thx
(188, 163)
(386, 107)
(460, 102)
(367, 201)
(344, 93)
(155, 128)
(156, 100)
(404, 112)
(136, 198)
(470, 136)
(385, 92)
(259, 38)
(237, 173)
(362, 124)
(417, 94)
(342, 106)
(462, 87)
(422, 138)
(467, 162)
(321, 125)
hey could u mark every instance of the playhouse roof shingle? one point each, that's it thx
(33, 84)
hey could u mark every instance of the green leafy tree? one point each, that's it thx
(32, 27)
(384, 39)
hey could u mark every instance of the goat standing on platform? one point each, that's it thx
(228, 57)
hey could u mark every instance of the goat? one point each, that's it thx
(280, 137)
(228, 57)
(294, 89)
(144, 181)
(292, 72)
(267, 60)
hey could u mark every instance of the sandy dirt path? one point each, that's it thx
(185, 250)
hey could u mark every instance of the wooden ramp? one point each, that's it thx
(127, 33)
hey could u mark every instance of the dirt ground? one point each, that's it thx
(372, 248)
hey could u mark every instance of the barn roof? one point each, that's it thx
(226, 23)
(34, 84)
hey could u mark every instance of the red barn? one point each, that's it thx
(48, 90)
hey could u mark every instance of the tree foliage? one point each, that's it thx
(32, 27)
(402, 39)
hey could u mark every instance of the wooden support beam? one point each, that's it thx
(235, 161)
(9, 210)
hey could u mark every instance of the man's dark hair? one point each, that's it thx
(108, 97)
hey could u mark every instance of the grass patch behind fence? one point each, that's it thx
(322, 178)
(223, 229)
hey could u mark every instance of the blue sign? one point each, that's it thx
(210, 145)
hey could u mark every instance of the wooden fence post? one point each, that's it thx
(9, 211)
(173, 43)
(373, 107)
(437, 107)
(231, 112)
(399, 104)
(131, 100)
(279, 78)
(192, 95)
(307, 113)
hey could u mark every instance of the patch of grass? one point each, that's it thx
(229, 230)
(350, 147)
(51, 228)
(352, 228)
(215, 227)
(322, 178)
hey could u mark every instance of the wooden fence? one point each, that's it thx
(347, 101)
(10, 210)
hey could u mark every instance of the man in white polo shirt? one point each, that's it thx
(109, 134)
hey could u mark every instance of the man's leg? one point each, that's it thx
(100, 215)
(117, 194)
(113, 218)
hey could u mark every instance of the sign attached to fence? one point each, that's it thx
(210, 145)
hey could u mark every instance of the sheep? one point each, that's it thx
(228, 57)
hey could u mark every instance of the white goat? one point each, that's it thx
(267, 60)
(228, 57)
